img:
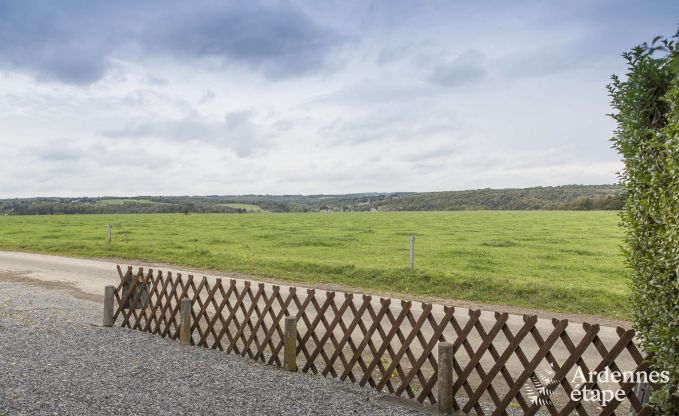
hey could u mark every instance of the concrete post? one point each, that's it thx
(445, 380)
(290, 345)
(109, 292)
(185, 322)
(109, 233)
(412, 252)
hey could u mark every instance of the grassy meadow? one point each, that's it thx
(567, 261)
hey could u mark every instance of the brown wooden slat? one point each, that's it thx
(174, 311)
(373, 348)
(143, 318)
(246, 316)
(386, 342)
(256, 314)
(119, 291)
(348, 332)
(268, 302)
(276, 327)
(576, 359)
(232, 311)
(405, 345)
(427, 352)
(154, 302)
(366, 338)
(252, 324)
(607, 359)
(133, 299)
(474, 360)
(162, 301)
(539, 356)
(302, 315)
(330, 334)
(461, 341)
(573, 359)
(525, 329)
(209, 328)
(311, 333)
(627, 388)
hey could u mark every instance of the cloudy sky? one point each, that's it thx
(217, 97)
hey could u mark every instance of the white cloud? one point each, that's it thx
(348, 97)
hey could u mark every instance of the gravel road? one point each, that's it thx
(55, 358)
(61, 286)
(86, 278)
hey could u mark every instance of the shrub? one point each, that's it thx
(647, 136)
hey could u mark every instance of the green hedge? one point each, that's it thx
(647, 136)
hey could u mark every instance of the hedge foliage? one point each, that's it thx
(646, 108)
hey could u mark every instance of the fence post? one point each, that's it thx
(109, 233)
(643, 392)
(185, 322)
(290, 345)
(412, 252)
(445, 379)
(109, 292)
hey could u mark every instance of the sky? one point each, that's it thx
(305, 97)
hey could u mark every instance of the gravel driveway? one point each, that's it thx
(55, 358)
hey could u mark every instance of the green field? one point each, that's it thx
(566, 261)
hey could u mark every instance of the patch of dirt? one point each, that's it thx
(23, 278)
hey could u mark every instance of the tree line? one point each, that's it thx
(572, 197)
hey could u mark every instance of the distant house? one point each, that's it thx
(324, 209)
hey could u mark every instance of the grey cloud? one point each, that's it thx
(60, 150)
(388, 124)
(462, 69)
(207, 97)
(423, 75)
(279, 40)
(126, 155)
(75, 41)
(237, 131)
(378, 91)
(51, 42)
(156, 80)
(393, 54)
(430, 154)
(549, 60)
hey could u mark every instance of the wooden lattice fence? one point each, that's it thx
(501, 362)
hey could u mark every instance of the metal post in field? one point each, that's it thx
(109, 292)
(290, 344)
(109, 233)
(412, 252)
(185, 322)
(445, 378)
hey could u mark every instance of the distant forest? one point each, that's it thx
(569, 197)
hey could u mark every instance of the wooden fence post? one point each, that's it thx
(109, 233)
(185, 322)
(412, 252)
(445, 379)
(109, 292)
(290, 345)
